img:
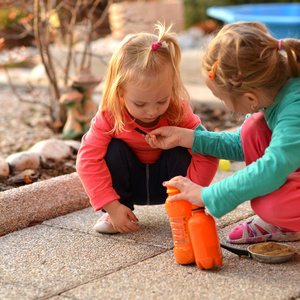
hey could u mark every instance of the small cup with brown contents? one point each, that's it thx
(271, 252)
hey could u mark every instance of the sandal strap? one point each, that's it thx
(270, 229)
(251, 232)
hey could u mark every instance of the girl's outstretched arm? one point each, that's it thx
(189, 190)
(169, 137)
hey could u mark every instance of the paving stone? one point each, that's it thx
(160, 277)
(11, 291)
(154, 225)
(52, 260)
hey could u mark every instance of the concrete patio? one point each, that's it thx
(64, 258)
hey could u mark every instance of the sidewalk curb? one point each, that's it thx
(32, 204)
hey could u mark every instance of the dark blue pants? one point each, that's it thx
(141, 184)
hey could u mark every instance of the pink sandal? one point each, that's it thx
(256, 230)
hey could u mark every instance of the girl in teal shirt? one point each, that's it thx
(251, 72)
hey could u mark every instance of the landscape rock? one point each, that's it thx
(73, 144)
(4, 168)
(24, 160)
(52, 149)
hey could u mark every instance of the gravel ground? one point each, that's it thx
(21, 124)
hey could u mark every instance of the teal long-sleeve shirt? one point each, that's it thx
(268, 173)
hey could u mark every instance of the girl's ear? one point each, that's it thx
(252, 100)
(121, 95)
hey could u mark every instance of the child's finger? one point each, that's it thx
(133, 227)
(175, 198)
(152, 141)
(174, 182)
(132, 217)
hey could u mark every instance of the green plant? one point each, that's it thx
(11, 17)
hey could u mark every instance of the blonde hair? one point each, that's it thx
(249, 59)
(133, 61)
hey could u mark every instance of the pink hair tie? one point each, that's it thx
(155, 46)
(279, 45)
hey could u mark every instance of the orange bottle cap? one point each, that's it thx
(171, 189)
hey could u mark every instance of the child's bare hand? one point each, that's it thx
(189, 190)
(169, 137)
(122, 219)
(163, 137)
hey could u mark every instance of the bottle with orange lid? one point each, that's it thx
(205, 240)
(179, 213)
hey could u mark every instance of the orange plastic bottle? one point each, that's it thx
(205, 239)
(179, 213)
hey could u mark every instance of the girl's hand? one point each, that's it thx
(163, 137)
(122, 218)
(189, 190)
(169, 137)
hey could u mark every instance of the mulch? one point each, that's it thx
(47, 170)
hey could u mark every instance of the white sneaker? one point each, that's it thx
(103, 225)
